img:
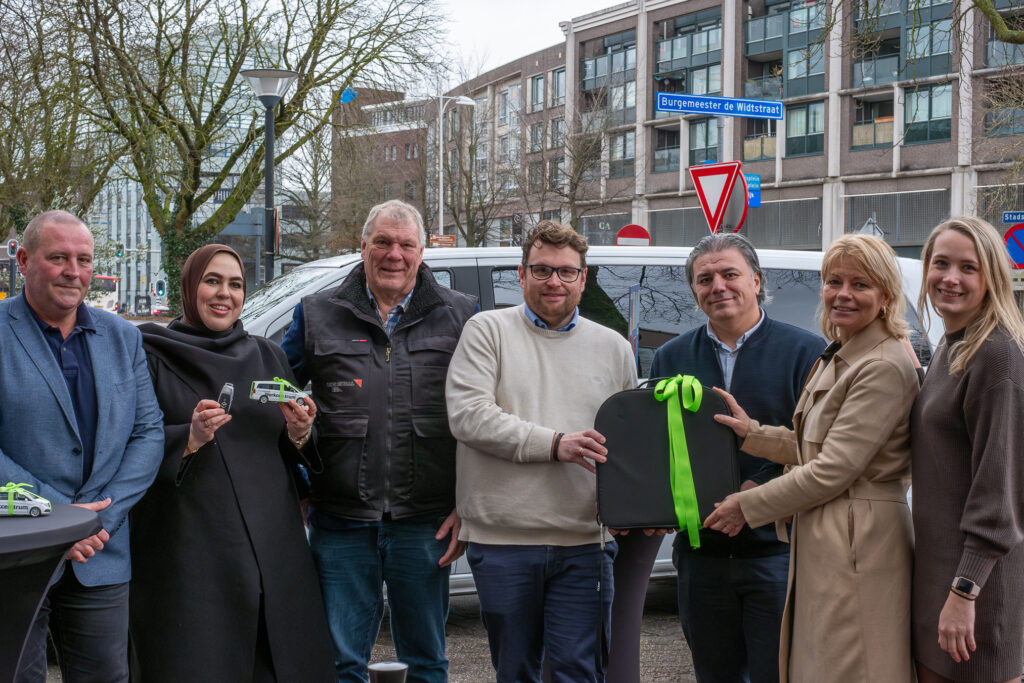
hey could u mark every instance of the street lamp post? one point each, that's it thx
(442, 102)
(270, 86)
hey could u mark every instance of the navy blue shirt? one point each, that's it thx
(72, 355)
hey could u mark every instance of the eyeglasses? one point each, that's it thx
(565, 273)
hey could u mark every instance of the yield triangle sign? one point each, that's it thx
(715, 184)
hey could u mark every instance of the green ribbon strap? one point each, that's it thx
(684, 492)
(10, 488)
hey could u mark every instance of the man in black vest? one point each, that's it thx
(383, 509)
(732, 590)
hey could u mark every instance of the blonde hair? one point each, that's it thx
(998, 308)
(876, 259)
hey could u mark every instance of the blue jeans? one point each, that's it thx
(353, 565)
(545, 602)
(731, 612)
(89, 627)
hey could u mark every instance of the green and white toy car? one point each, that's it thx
(277, 389)
(15, 500)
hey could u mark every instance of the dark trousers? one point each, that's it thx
(89, 627)
(633, 566)
(731, 612)
(547, 602)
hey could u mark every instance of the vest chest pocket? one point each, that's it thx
(428, 360)
(342, 369)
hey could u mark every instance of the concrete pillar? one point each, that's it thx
(684, 153)
(780, 145)
(834, 53)
(965, 99)
(963, 191)
(643, 104)
(728, 68)
(898, 110)
(833, 218)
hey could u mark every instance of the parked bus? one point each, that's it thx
(103, 292)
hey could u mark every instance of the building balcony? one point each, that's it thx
(765, 88)
(877, 133)
(758, 147)
(609, 69)
(764, 34)
(666, 159)
(876, 70)
(694, 49)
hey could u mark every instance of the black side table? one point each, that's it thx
(31, 550)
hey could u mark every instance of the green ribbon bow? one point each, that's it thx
(684, 492)
(10, 488)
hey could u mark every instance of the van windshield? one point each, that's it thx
(668, 308)
(284, 287)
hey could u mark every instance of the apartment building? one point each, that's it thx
(890, 122)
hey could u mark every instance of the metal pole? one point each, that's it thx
(440, 165)
(721, 136)
(268, 202)
(14, 277)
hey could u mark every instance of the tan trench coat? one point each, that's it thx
(847, 615)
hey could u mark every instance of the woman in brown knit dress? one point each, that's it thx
(968, 465)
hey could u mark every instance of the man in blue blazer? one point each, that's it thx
(79, 422)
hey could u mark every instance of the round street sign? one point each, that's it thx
(1014, 239)
(633, 236)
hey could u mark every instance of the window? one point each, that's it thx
(558, 88)
(872, 124)
(503, 108)
(622, 153)
(666, 151)
(557, 132)
(537, 93)
(706, 80)
(703, 141)
(513, 106)
(707, 40)
(556, 169)
(929, 114)
(537, 137)
(503, 148)
(805, 129)
(410, 190)
(806, 15)
(535, 176)
(759, 142)
(388, 191)
(415, 150)
(408, 151)
(805, 62)
(930, 39)
(480, 116)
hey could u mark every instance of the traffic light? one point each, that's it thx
(161, 287)
(12, 248)
(120, 250)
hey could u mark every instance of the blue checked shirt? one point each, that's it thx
(395, 314)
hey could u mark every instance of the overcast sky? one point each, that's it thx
(489, 33)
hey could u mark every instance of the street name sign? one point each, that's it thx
(753, 189)
(681, 103)
(1013, 216)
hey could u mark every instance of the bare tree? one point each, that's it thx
(51, 156)
(307, 230)
(167, 81)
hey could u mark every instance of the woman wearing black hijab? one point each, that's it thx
(223, 584)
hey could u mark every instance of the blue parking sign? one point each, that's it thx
(753, 189)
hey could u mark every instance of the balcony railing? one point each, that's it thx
(873, 134)
(666, 159)
(807, 18)
(876, 70)
(765, 88)
(765, 28)
(1004, 54)
(674, 53)
(757, 147)
(608, 69)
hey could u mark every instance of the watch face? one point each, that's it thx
(965, 585)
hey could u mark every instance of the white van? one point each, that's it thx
(667, 306)
(18, 501)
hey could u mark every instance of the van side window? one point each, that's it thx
(443, 277)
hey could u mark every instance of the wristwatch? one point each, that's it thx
(965, 588)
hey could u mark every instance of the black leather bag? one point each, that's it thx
(633, 486)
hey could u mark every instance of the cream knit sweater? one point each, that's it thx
(511, 386)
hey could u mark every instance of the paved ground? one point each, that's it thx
(664, 657)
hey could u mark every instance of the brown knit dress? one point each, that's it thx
(967, 436)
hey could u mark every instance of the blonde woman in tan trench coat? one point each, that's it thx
(847, 615)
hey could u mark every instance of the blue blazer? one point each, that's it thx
(39, 441)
